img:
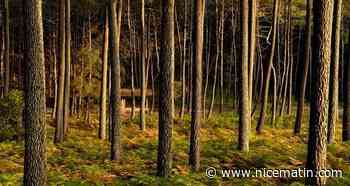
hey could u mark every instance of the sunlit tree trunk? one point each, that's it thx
(197, 45)
(321, 59)
(244, 110)
(34, 110)
(59, 132)
(103, 103)
(252, 46)
(143, 69)
(334, 73)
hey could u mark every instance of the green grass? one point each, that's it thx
(83, 159)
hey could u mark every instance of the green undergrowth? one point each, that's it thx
(83, 159)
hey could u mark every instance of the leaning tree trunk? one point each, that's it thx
(197, 49)
(346, 114)
(321, 59)
(103, 104)
(115, 28)
(34, 110)
(305, 67)
(266, 84)
(59, 132)
(244, 108)
(167, 58)
(334, 73)
(67, 69)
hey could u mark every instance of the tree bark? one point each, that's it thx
(252, 46)
(167, 58)
(143, 69)
(103, 103)
(197, 49)
(68, 67)
(244, 109)
(59, 132)
(334, 73)
(321, 59)
(34, 110)
(115, 28)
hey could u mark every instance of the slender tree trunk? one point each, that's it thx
(183, 87)
(268, 72)
(222, 22)
(132, 46)
(305, 67)
(103, 104)
(68, 68)
(207, 68)
(7, 46)
(334, 73)
(274, 100)
(59, 132)
(197, 48)
(143, 69)
(218, 36)
(34, 110)
(244, 110)
(115, 28)
(321, 59)
(346, 114)
(252, 46)
(291, 58)
(167, 58)
(54, 78)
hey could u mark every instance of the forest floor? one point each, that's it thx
(83, 159)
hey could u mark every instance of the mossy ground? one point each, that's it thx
(83, 159)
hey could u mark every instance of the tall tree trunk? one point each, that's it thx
(34, 110)
(334, 73)
(346, 93)
(266, 84)
(290, 57)
(321, 59)
(244, 109)
(132, 48)
(68, 68)
(103, 104)
(222, 22)
(143, 69)
(7, 46)
(217, 54)
(167, 58)
(305, 67)
(59, 132)
(183, 74)
(115, 28)
(197, 49)
(252, 46)
(54, 78)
